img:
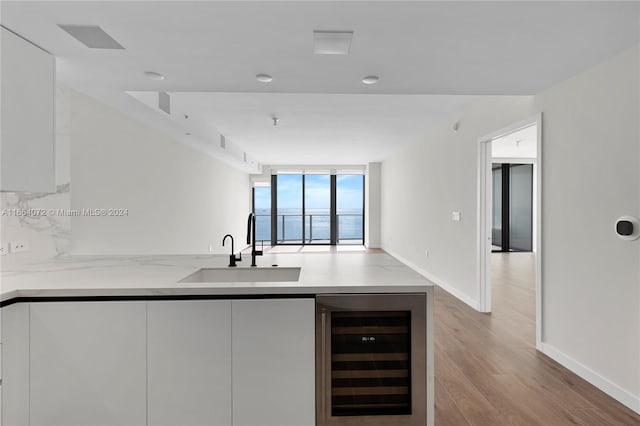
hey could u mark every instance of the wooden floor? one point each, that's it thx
(315, 248)
(489, 373)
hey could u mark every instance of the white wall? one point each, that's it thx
(590, 175)
(423, 184)
(373, 207)
(179, 200)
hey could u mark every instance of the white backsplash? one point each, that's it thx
(48, 234)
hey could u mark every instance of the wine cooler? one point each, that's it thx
(371, 360)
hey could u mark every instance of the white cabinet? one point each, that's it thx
(15, 365)
(240, 362)
(273, 362)
(27, 153)
(200, 362)
(88, 363)
(189, 363)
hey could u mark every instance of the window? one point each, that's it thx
(317, 209)
(289, 212)
(350, 209)
(262, 210)
(311, 209)
(512, 228)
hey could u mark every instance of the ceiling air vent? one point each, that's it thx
(332, 42)
(91, 36)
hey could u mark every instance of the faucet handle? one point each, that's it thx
(238, 258)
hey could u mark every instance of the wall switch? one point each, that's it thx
(426, 253)
(18, 246)
(4, 249)
(455, 216)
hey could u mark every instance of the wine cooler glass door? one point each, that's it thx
(371, 361)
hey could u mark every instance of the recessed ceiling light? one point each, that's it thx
(264, 78)
(154, 75)
(370, 79)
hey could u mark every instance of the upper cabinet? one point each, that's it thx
(27, 148)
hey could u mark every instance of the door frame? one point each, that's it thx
(485, 215)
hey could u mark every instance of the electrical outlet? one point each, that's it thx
(4, 249)
(18, 246)
(455, 216)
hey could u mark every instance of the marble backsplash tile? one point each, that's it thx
(40, 219)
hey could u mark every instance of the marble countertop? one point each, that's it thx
(321, 273)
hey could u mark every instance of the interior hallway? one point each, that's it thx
(488, 371)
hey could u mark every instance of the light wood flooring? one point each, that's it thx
(489, 373)
(314, 248)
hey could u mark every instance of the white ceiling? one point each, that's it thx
(522, 143)
(317, 128)
(419, 49)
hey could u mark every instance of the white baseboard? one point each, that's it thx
(446, 287)
(616, 392)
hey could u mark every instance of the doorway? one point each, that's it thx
(509, 192)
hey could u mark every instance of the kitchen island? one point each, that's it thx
(119, 340)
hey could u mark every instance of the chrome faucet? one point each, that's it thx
(251, 238)
(232, 257)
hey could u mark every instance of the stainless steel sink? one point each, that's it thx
(237, 275)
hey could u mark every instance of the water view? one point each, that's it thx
(317, 225)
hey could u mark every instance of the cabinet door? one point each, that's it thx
(88, 363)
(15, 364)
(189, 363)
(27, 132)
(273, 362)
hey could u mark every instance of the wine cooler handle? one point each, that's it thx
(323, 370)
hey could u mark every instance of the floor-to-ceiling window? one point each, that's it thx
(350, 209)
(496, 228)
(289, 210)
(311, 208)
(262, 210)
(317, 209)
(512, 207)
